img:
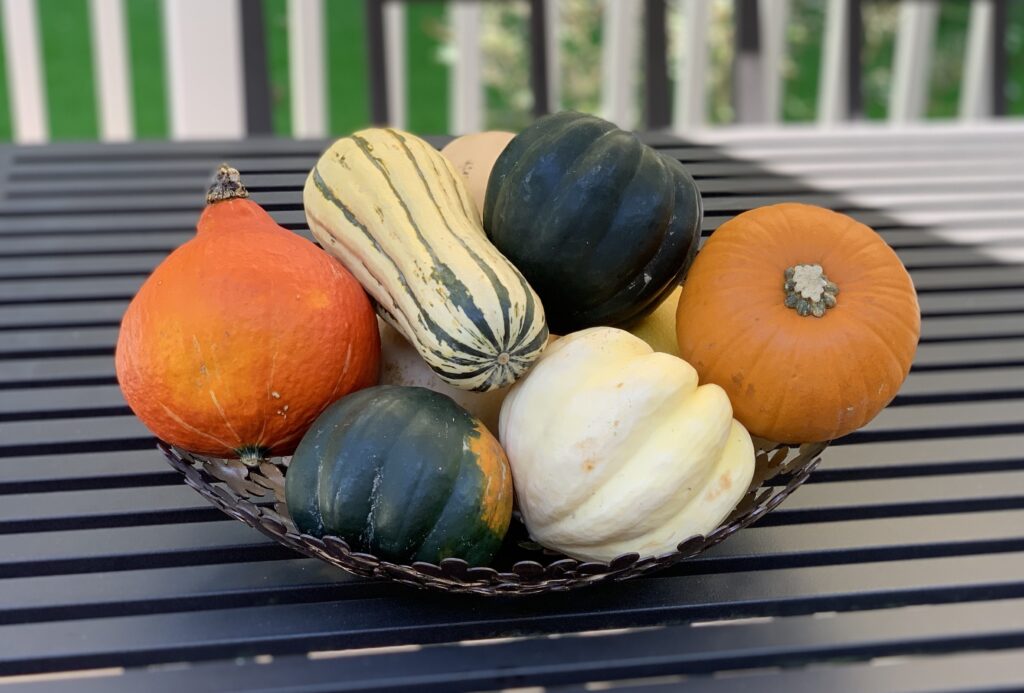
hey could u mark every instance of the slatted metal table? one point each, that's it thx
(898, 567)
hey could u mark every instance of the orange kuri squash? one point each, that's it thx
(806, 318)
(244, 334)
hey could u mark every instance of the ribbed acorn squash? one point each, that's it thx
(602, 226)
(403, 473)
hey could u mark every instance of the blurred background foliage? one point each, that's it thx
(70, 87)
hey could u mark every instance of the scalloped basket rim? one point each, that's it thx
(232, 487)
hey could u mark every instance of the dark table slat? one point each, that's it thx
(64, 470)
(45, 370)
(953, 356)
(936, 456)
(137, 640)
(97, 362)
(942, 279)
(654, 660)
(185, 219)
(44, 342)
(993, 672)
(879, 135)
(919, 248)
(820, 502)
(68, 471)
(24, 342)
(723, 178)
(908, 417)
(961, 263)
(290, 200)
(260, 155)
(1002, 177)
(109, 572)
(47, 402)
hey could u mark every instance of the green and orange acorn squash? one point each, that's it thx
(403, 473)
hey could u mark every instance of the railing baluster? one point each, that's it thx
(25, 72)
(619, 60)
(915, 43)
(539, 58)
(258, 119)
(306, 72)
(376, 63)
(553, 26)
(839, 80)
(466, 92)
(854, 43)
(657, 114)
(395, 61)
(983, 90)
(1000, 58)
(747, 81)
(110, 67)
(774, 16)
(690, 103)
(204, 68)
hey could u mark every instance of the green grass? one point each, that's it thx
(275, 18)
(1015, 57)
(347, 80)
(948, 63)
(146, 51)
(803, 40)
(427, 77)
(508, 106)
(5, 105)
(877, 56)
(66, 44)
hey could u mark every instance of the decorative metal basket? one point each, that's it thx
(255, 496)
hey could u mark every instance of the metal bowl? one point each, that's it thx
(255, 495)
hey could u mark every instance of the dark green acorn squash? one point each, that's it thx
(602, 226)
(403, 473)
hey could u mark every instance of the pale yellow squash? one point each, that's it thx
(473, 156)
(659, 328)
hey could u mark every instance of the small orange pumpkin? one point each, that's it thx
(806, 318)
(244, 334)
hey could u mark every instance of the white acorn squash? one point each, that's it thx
(615, 449)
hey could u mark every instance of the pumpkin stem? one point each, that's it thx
(808, 290)
(227, 185)
(252, 455)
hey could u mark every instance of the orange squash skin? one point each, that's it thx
(797, 378)
(243, 336)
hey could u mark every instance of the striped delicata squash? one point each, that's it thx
(398, 216)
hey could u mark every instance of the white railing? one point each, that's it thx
(211, 103)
